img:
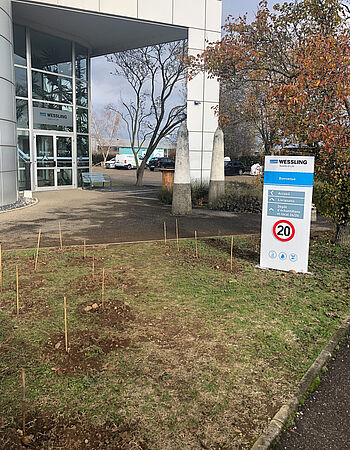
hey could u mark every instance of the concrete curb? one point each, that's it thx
(281, 417)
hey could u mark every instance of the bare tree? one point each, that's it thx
(155, 75)
(105, 127)
(240, 135)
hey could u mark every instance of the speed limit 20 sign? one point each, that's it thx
(286, 215)
(283, 230)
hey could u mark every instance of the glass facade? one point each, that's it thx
(52, 99)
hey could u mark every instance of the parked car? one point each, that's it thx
(161, 163)
(233, 168)
(125, 162)
(110, 164)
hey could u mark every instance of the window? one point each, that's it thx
(83, 150)
(23, 147)
(81, 62)
(82, 120)
(47, 116)
(52, 88)
(82, 93)
(22, 113)
(21, 82)
(51, 53)
(19, 43)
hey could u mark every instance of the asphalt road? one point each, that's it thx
(323, 422)
(123, 214)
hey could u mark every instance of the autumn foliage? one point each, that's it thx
(297, 58)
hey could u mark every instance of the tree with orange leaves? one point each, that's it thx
(298, 55)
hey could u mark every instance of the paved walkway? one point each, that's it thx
(123, 215)
(323, 422)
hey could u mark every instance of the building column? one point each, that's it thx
(8, 147)
(203, 96)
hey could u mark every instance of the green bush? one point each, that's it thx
(199, 194)
(240, 198)
(165, 196)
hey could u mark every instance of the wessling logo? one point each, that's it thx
(293, 161)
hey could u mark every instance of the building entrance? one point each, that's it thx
(53, 161)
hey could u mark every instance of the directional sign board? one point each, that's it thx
(286, 216)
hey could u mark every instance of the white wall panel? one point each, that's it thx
(190, 13)
(194, 116)
(157, 10)
(213, 18)
(196, 39)
(210, 119)
(212, 90)
(8, 159)
(196, 175)
(5, 26)
(195, 160)
(211, 36)
(119, 7)
(206, 160)
(90, 5)
(195, 140)
(195, 88)
(208, 139)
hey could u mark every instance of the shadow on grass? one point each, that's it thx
(250, 255)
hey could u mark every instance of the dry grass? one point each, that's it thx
(186, 355)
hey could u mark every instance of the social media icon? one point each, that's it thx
(293, 257)
(282, 256)
(272, 254)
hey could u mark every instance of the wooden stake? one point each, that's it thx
(164, 233)
(93, 267)
(37, 252)
(84, 248)
(60, 231)
(65, 323)
(196, 243)
(24, 402)
(17, 291)
(231, 253)
(103, 288)
(177, 235)
(0, 268)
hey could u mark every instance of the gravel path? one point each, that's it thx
(323, 422)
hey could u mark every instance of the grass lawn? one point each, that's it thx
(185, 354)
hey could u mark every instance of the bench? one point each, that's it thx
(92, 178)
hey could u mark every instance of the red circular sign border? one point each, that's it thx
(277, 237)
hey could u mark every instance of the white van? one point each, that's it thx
(125, 161)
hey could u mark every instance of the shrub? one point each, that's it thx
(165, 196)
(240, 198)
(199, 194)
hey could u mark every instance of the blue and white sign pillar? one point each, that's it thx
(286, 215)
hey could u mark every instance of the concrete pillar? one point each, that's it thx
(182, 203)
(217, 175)
(8, 147)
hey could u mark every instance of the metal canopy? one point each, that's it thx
(102, 33)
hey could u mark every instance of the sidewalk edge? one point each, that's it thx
(281, 417)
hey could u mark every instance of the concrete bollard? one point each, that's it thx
(217, 175)
(182, 203)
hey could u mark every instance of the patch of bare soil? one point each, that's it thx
(86, 350)
(114, 313)
(49, 432)
(119, 278)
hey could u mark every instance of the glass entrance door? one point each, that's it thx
(54, 161)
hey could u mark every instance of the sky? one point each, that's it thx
(106, 88)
